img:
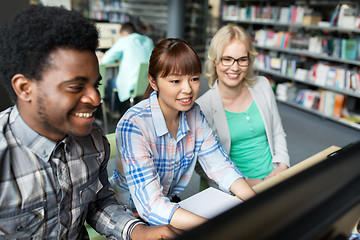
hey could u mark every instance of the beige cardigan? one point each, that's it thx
(263, 95)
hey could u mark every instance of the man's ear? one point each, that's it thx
(152, 83)
(22, 87)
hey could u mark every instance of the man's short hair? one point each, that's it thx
(128, 27)
(27, 41)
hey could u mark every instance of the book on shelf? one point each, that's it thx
(230, 12)
(338, 105)
(260, 61)
(322, 100)
(331, 76)
(260, 37)
(283, 67)
(285, 40)
(293, 13)
(300, 97)
(336, 47)
(339, 81)
(315, 44)
(355, 82)
(335, 15)
(301, 74)
(308, 98)
(321, 75)
(299, 42)
(270, 37)
(275, 63)
(348, 48)
(329, 103)
(347, 17)
(286, 91)
(327, 45)
(275, 13)
(279, 38)
(329, 100)
(330, 79)
(311, 17)
(284, 15)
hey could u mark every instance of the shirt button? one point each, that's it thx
(176, 162)
(247, 117)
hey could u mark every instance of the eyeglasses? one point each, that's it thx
(229, 61)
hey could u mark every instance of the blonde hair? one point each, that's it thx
(220, 40)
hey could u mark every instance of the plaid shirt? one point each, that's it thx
(155, 166)
(48, 189)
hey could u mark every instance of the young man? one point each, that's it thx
(53, 156)
(131, 49)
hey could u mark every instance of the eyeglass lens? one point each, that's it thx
(229, 61)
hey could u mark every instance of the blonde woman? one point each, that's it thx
(241, 108)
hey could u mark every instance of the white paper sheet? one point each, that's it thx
(209, 203)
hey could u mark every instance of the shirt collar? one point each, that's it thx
(159, 120)
(39, 145)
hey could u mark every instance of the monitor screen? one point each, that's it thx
(321, 202)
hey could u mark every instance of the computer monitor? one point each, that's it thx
(321, 202)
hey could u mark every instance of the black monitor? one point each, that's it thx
(321, 202)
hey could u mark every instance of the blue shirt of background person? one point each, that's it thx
(131, 49)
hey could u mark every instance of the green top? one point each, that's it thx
(250, 149)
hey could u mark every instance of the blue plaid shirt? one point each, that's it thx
(48, 189)
(155, 166)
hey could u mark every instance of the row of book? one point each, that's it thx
(115, 17)
(281, 64)
(291, 14)
(335, 76)
(343, 16)
(105, 4)
(321, 74)
(326, 102)
(346, 48)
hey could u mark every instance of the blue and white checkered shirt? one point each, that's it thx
(48, 189)
(155, 166)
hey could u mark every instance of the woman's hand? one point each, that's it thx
(282, 167)
(253, 181)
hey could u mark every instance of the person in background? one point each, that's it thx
(160, 139)
(131, 49)
(53, 156)
(241, 108)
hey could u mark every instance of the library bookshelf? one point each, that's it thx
(151, 18)
(309, 49)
